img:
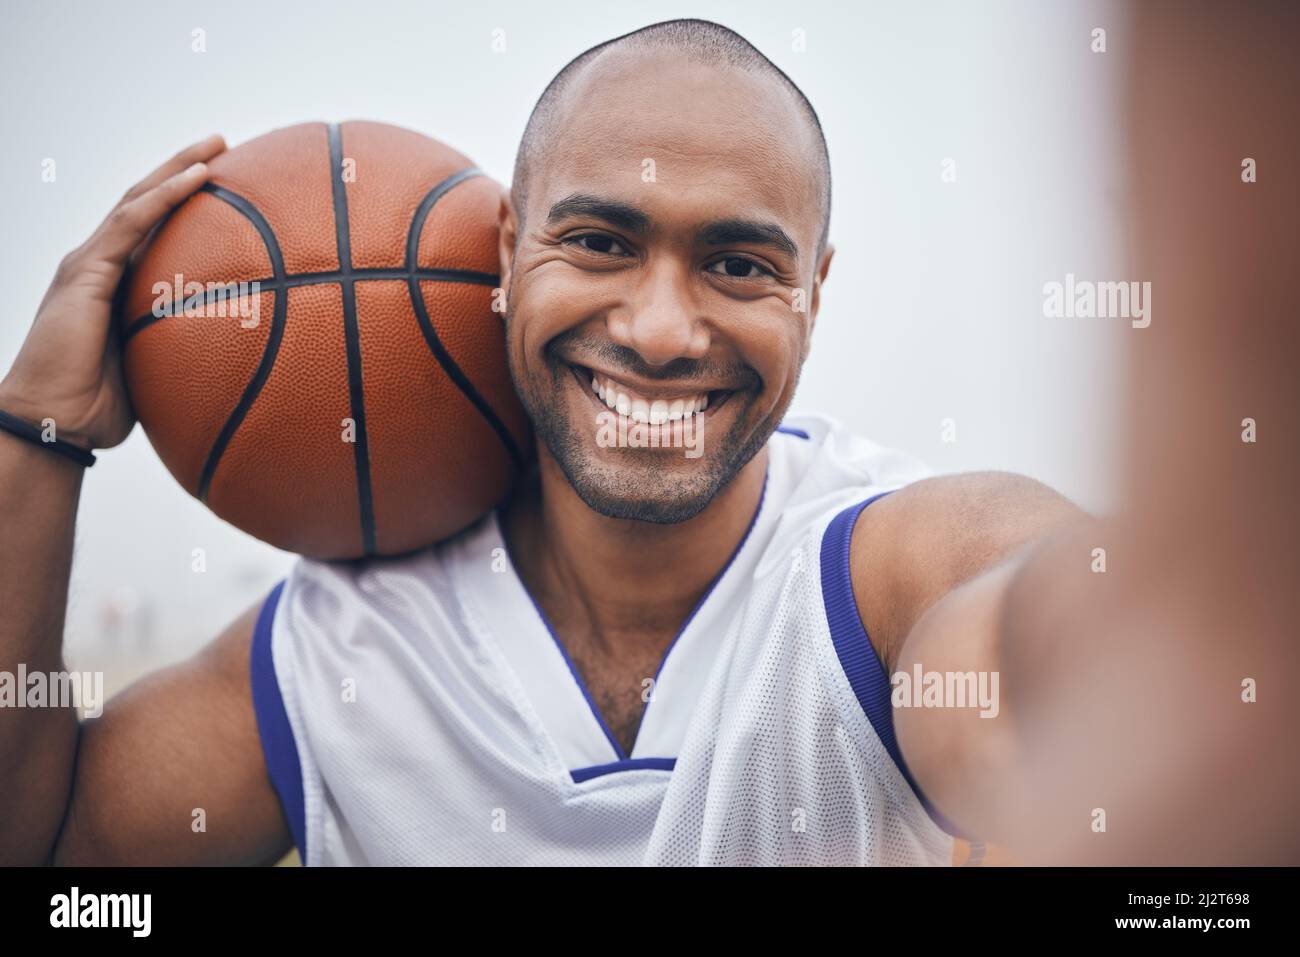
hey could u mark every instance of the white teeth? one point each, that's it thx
(641, 409)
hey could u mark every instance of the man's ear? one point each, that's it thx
(819, 277)
(507, 235)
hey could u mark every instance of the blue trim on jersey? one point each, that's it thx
(853, 646)
(629, 764)
(577, 678)
(273, 726)
(591, 703)
(791, 430)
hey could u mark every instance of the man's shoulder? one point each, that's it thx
(818, 469)
(819, 464)
(832, 451)
(363, 579)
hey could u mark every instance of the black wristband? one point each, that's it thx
(25, 430)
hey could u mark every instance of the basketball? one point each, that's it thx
(311, 347)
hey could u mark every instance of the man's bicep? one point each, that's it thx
(173, 772)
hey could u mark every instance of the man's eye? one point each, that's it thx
(738, 268)
(598, 243)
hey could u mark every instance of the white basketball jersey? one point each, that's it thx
(420, 710)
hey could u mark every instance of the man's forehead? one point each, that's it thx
(655, 126)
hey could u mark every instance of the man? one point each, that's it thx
(642, 657)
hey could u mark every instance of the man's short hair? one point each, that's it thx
(702, 40)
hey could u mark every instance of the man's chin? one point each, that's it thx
(642, 494)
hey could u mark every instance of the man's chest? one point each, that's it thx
(619, 681)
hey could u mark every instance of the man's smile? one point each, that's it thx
(652, 405)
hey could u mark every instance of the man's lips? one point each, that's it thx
(652, 405)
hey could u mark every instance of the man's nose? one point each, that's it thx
(662, 319)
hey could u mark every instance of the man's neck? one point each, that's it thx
(618, 578)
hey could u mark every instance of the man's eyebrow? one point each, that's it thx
(728, 231)
(622, 215)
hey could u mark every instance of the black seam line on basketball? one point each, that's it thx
(222, 292)
(269, 352)
(454, 372)
(352, 341)
(128, 276)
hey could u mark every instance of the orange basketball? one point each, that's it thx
(310, 344)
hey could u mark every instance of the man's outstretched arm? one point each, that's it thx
(1151, 709)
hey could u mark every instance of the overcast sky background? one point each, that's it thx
(933, 309)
